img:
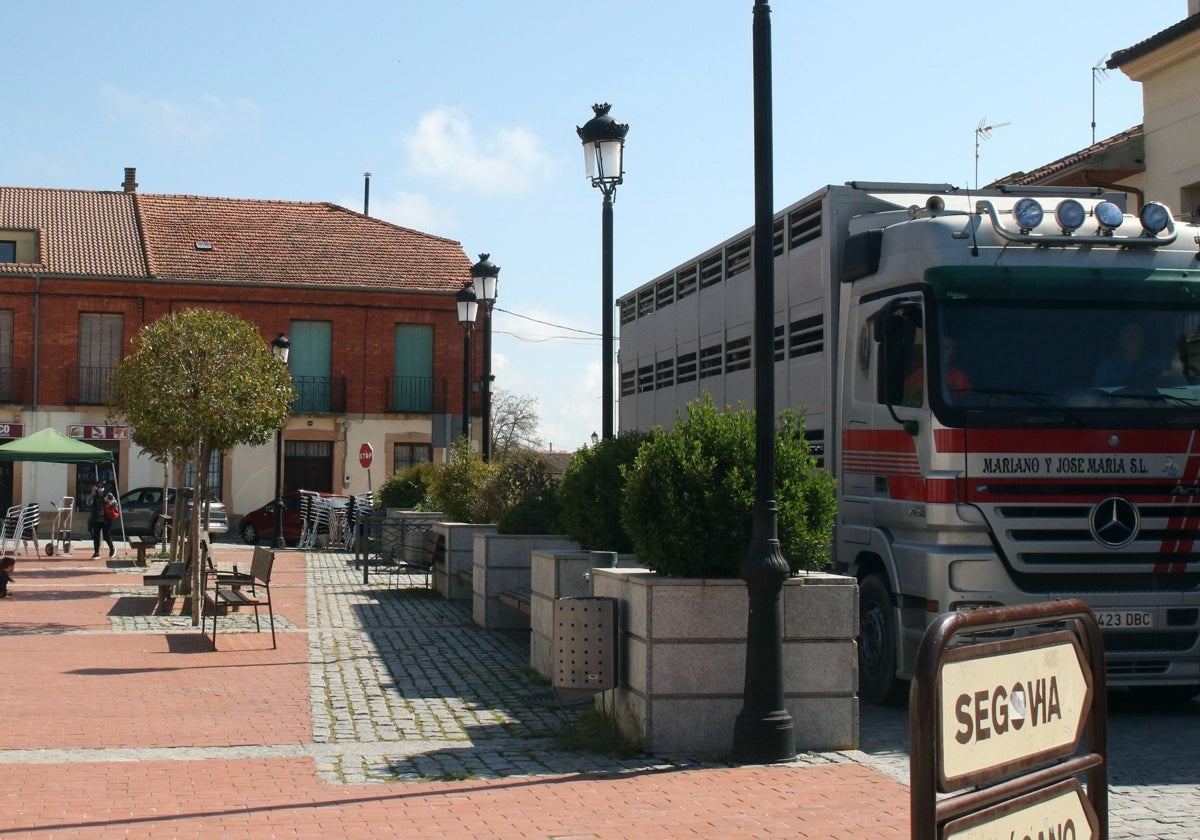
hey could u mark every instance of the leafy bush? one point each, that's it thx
(459, 489)
(526, 494)
(689, 495)
(591, 493)
(409, 488)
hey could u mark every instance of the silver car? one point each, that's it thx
(142, 511)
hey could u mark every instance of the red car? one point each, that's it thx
(258, 526)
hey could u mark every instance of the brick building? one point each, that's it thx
(369, 308)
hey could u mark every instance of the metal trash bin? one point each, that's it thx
(585, 644)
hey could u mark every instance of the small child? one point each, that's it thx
(6, 567)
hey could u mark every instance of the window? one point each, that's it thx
(8, 251)
(310, 363)
(413, 384)
(405, 455)
(212, 484)
(100, 340)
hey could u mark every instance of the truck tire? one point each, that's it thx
(877, 634)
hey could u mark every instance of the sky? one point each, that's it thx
(464, 112)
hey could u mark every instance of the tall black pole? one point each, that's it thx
(486, 384)
(279, 540)
(466, 391)
(606, 321)
(763, 731)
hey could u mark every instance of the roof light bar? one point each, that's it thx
(1070, 215)
(1028, 214)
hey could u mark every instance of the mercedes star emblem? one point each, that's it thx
(1114, 522)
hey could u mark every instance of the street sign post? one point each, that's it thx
(366, 454)
(996, 726)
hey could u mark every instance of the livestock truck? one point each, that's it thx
(1005, 385)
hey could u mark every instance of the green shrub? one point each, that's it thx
(591, 493)
(459, 489)
(526, 495)
(408, 489)
(689, 495)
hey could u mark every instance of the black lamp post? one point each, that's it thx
(280, 347)
(485, 275)
(603, 152)
(468, 308)
(763, 731)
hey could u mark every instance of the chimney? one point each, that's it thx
(130, 184)
(1193, 7)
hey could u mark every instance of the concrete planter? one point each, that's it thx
(452, 579)
(502, 563)
(682, 655)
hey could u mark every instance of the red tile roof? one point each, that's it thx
(1115, 157)
(314, 244)
(200, 239)
(80, 233)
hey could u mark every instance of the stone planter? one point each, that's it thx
(559, 574)
(452, 579)
(682, 655)
(502, 563)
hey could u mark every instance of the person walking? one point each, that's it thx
(99, 522)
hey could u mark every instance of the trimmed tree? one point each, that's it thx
(200, 381)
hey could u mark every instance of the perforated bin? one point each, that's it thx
(585, 643)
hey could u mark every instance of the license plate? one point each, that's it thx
(1125, 619)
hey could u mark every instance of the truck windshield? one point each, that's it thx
(1069, 360)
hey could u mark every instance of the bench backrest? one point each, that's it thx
(261, 564)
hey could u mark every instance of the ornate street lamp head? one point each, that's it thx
(468, 305)
(603, 148)
(281, 347)
(485, 275)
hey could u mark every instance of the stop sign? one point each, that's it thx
(365, 455)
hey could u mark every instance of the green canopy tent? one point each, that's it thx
(51, 445)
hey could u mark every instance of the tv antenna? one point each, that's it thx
(983, 131)
(1099, 74)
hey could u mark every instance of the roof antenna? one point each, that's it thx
(983, 132)
(1099, 74)
(366, 193)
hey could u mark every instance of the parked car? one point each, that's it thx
(258, 526)
(142, 508)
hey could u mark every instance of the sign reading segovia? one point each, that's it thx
(1001, 700)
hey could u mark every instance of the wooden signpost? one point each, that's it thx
(996, 726)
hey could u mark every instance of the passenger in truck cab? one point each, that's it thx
(956, 383)
(1130, 363)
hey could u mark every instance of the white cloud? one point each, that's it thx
(444, 146)
(170, 121)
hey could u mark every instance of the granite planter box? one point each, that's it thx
(459, 540)
(682, 655)
(502, 563)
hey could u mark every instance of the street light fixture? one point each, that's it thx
(485, 276)
(763, 730)
(281, 347)
(603, 152)
(468, 308)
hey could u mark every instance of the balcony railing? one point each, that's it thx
(416, 394)
(319, 394)
(88, 385)
(12, 386)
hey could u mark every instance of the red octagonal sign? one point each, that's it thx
(365, 455)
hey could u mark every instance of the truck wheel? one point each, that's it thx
(877, 633)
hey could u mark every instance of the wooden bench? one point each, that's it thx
(225, 592)
(517, 599)
(141, 545)
(166, 577)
